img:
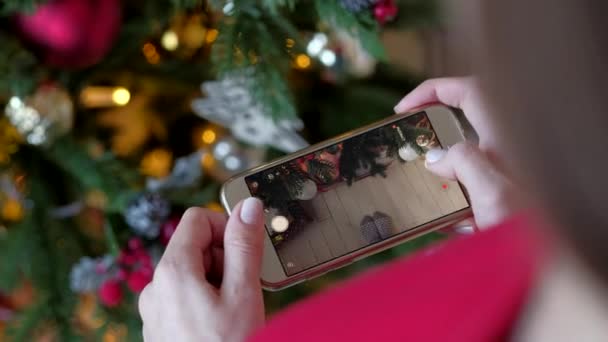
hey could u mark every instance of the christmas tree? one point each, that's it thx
(115, 116)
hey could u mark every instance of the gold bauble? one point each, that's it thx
(423, 140)
(42, 117)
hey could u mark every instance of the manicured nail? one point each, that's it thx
(251, 210)
(465, 230)
(434, 155)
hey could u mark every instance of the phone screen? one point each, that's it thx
(361, 191)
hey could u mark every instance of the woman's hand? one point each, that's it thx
(207, 284)
(493, 195)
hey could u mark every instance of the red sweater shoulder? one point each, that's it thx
(466, 289)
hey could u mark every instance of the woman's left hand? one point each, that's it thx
(207, 285)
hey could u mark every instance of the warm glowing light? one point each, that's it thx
(290, 43)
(169, 40)
(279, 224)
(121, 96)
(208, 136)
(149, 49)
(12, 210)
(207, 161)
(302, 61)
(157, 163)
(328, 57)
(215, 207)
(211, 35)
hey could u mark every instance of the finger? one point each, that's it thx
(143, 302)
(449, 91)
(197, 231)
(489, 190)
(243, 247)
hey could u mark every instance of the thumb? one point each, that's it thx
(243, 247)
(491, 193)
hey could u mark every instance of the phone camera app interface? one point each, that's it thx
(359, 192)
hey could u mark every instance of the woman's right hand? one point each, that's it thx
(493, 195)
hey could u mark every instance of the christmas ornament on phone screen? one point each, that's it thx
(308, 191)
(408, 153)
(229, 103)
(42, 117)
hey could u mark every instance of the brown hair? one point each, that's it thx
(543, 66)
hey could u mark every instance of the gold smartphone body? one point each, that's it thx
(352, 196)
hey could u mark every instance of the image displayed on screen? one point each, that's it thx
(350, 195)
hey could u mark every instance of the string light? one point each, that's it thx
(316, 44)
(302, 61)
(121, 96)
(169, 40)
(207, 161)
(208, 136)
(151, 54)
(289, 43)
(157, 163)
(12, 210)
(211, 35)
(328, 57)
(233, 163)
(222, 149)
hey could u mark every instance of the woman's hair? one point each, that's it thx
(543, 66)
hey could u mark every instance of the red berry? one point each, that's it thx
(138, 280)
(110, 293)
(135, 244)
(385, 11)
(122, 274)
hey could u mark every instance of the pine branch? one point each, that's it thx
(9, 7)
(29, 319)
(14, 254)
(19, 68)
(275, 5)
(106, 174)
(361, 25)
(253, 39)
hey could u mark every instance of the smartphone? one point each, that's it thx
(352, 196)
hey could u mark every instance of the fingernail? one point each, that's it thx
(465, 230)
(434, 155)
(251, 210)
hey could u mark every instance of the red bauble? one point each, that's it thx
(71, 33)
(168, 229)
(138, 280)
(110, 293)
(385, 11)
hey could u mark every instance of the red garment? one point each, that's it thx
(468, 289)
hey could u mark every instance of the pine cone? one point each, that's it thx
(384, 223)
(146, 214)
(369, 230)
(357, 5)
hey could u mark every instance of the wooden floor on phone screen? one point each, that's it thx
(409, 194)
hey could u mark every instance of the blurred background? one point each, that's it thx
(118, 115)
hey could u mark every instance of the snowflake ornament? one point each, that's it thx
(230, 104)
